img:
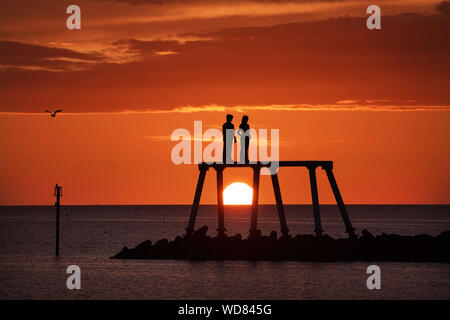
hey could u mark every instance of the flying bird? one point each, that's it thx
(54, 113)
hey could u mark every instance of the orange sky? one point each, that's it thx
(375, 102)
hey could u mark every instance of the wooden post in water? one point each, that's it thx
(58, 194)
(337, 195)
(220, 210)
(198, 194)
(315, 201)
(254, 219)
(280, 207)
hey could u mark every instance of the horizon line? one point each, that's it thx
(230, 205)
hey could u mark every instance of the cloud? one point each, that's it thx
(363, 106)
(376, 106)
(165, 2)
(443, 7)
(107, 20)
(306, 63)
(34, 57)
(311, 39)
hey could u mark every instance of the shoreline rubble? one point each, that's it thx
(366, 247)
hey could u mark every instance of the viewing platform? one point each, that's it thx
(302, 163)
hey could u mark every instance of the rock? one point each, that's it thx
(255, 235)
(122, 254)
(236, 237)
(423, 237)
(161, 243)
(144, 245)
(367, 235)
(200, 233)
(273, 236)
(390, 247)
(326, 237)
(444, 236)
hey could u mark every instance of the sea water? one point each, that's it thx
(91, 234)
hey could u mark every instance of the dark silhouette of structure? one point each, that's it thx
(244, 133)
(310, 165)
(54, 113)
(197, 245)
(228, 136)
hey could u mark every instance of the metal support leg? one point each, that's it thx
(315, 201)
(220, 210)
(280, 207)
(337, 195)
(195, 204)
(254, 219)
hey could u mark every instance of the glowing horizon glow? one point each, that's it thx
(238, 193)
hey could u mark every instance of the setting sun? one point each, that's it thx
(237, 193)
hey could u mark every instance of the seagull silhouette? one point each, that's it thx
(54, 113)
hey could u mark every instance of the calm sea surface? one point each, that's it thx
(91, 234)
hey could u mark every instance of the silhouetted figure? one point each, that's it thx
(228, 139)
(54, 113)
(244, 133)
